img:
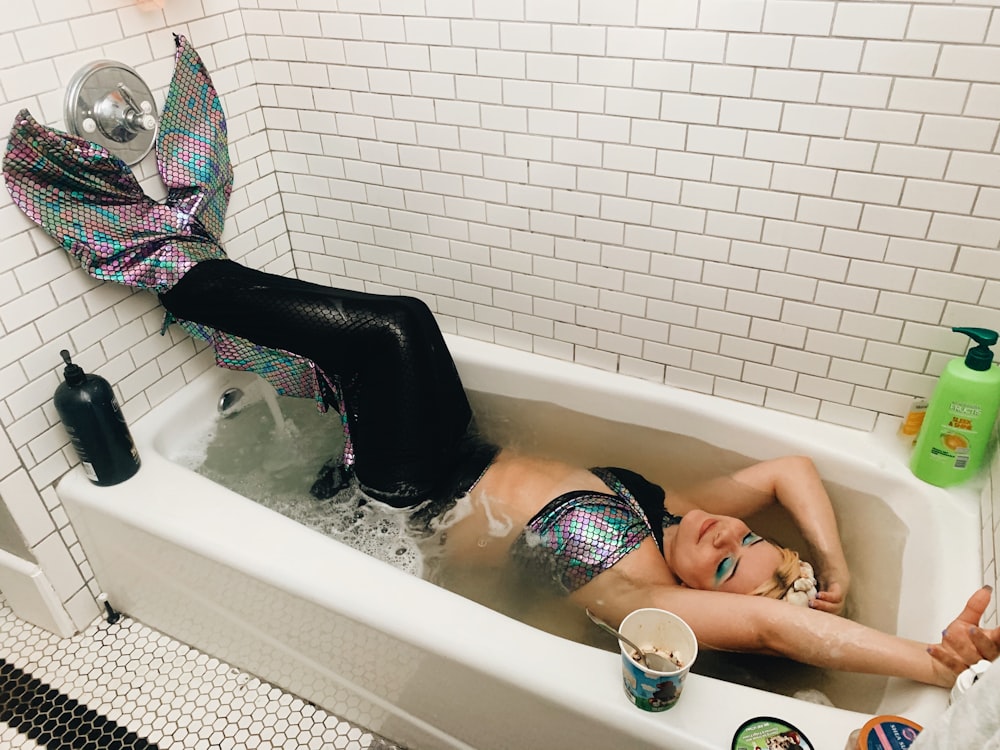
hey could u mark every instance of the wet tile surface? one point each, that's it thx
(126, 686)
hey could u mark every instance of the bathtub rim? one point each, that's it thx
(256, 553)
(682, 722)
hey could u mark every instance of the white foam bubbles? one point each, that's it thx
(275, 462)
(192, 454)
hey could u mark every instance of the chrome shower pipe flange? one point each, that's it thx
(108, 103)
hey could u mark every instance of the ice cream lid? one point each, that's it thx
(888, 733)
(767, 732)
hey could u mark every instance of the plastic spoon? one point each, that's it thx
(648, 659)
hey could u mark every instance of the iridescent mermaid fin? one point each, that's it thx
(192, 152)
(90, 201)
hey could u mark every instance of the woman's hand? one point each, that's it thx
(796, 484)
(831, 595)
(963, 642)
(834, 582)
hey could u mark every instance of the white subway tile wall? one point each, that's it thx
(785, 202)
(47, 303)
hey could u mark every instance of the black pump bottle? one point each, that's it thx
(90, 413)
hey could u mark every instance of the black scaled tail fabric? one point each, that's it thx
(405, 403)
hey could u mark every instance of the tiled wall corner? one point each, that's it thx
(47, 303)
(786, 203)
(990, 510)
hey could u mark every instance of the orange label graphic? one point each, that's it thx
(954, 442)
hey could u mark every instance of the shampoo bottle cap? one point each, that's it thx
(979, 357)
(73, 374)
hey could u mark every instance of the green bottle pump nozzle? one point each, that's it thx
(979, 357)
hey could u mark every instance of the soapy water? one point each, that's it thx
(275, 464)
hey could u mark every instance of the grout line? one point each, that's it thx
(125, 680)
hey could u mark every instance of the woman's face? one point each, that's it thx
(718, 553)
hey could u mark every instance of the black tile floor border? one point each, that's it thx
(57, 721)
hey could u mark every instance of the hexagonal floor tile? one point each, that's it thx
(127, 687)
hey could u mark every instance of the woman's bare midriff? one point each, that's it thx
(513, 490)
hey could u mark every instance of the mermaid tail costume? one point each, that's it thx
(379, 360)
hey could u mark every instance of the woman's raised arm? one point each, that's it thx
(796, 485)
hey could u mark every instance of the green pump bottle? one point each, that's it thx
(959, 422)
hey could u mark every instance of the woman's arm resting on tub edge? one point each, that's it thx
(963, 642)
(736, 622)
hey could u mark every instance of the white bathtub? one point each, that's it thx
(430, 669)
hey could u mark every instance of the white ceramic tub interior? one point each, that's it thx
(429, 668)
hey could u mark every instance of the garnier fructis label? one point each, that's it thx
(956, 435)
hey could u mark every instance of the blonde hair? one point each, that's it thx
(784, 576)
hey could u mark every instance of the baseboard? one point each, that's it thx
(31, 596)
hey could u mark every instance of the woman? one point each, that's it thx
(709, 562)
(695, 538)
(611, 539)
